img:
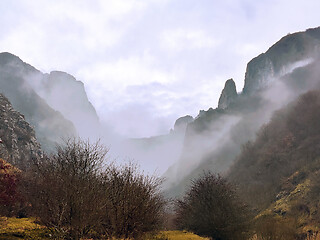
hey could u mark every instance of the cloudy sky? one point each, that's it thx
(147, 62)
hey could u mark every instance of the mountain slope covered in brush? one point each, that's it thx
(278, 173)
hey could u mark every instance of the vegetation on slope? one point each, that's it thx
(278, 173)
(289, 142)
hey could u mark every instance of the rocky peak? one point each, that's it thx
(260, 71)
(228, 94)
(288, 51)
(18, 144)
(65, 93)
(6, 58)
(182, 122)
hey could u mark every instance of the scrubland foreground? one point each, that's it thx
(26, 228)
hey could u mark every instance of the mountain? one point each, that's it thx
(214, 139)
(18, 144)
(56, 104)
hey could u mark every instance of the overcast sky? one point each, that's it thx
(145, 63)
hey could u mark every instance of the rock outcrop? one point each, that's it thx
(18, 144)
(68, 96)
(182, 122)
(277, 61)
(258, 74)
(228, 94)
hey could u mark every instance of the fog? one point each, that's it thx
(216, 147)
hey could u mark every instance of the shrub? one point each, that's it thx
(9, 196)
(66, 191)
(134, 204)
(76, 196)
(275, 228)
(212, 208)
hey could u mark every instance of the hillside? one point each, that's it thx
(289, 144)
(278, 173)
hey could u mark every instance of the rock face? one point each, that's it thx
(68, 96)
(277, 61)
(228, 95)
(182, 122)
(258, 74)
(18, 144)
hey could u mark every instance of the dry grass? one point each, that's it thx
(181, 235)
(9, 225)
(21, 228)
(26, 228)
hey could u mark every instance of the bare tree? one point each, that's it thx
(211, 208)
(134, 204)
(66, 188)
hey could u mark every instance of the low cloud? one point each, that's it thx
(185, 39)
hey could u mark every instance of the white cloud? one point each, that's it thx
(113, 83)
(184, 39)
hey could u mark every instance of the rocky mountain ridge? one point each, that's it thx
(291, 49)
(214, 138)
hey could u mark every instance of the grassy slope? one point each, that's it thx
(25, 228)
(180, 235)
(299, 200)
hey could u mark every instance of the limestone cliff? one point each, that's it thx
(18, 144)
(228, 95)
(294, 48)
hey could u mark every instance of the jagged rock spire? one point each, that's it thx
(228, 94)
(182, 122)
